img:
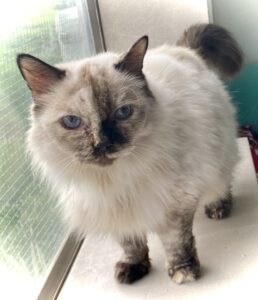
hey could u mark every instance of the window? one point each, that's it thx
(31, 231)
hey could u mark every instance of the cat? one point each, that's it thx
(134, 142)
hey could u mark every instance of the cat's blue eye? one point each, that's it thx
(124, 112)
(71, 122)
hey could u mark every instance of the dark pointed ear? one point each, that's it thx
(132, 62)
(39, 75)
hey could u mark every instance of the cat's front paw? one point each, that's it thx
(129, 273)
(185, 272)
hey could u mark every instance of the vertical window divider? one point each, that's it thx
(96, 25)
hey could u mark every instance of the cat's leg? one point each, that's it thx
(179, 244)
(135, 262)
(221, 208)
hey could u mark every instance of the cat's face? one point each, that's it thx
(96, 110)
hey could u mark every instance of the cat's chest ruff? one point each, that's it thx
(126, 205)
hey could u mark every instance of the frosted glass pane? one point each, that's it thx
(31, 231)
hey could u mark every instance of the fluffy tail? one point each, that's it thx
(216, 46)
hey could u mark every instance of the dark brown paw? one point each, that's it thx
(186, 272)
(129, 273)
(219, 209)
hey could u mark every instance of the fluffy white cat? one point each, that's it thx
(133, 143)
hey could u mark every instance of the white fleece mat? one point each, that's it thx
(228, 251)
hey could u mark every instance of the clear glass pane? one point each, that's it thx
(31, 231)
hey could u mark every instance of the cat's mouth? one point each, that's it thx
(106, 158)
(109, 158)
(104, 161)
(121, 153)
(96, 160)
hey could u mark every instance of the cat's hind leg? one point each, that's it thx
(135, 263)
(221, 208)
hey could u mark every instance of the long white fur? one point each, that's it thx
(188, 158)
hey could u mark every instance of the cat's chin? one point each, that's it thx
(104, 162)
(109, 158)
(122, 153)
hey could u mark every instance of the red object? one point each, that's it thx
(247, 131)
(254, 152)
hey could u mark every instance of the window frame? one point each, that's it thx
(60, 268)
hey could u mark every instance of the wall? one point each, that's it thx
(163, 20)
(241, 18)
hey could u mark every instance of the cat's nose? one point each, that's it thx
(100, 148)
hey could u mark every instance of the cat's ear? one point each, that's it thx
(132, 62)
(39, 75)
